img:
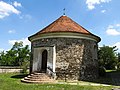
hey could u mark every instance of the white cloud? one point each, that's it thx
(11, 31)
(24, 40)
(16, 4)
(91, 3)
(7, 9)
(103, 11)
(110, 26)
(113, 30)
(27, 16)
(118, 25)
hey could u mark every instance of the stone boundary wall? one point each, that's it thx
(10, 69)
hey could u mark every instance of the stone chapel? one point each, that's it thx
(65, 47)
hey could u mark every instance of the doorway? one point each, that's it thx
(44, 61)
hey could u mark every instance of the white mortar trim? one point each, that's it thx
(54, 54)
(65, 35)
(54, 58)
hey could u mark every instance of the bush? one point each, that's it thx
(25, 66)
(102, 71)
(118, 66)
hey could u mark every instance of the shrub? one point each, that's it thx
(118, 66)
(24, 67)
(102, 71)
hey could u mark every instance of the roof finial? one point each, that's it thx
(64, 12)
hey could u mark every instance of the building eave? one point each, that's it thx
(65, 35)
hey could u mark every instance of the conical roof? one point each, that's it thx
(64, 24)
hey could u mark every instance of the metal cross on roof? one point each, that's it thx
(64, 11)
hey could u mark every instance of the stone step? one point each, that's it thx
(29, 76)
(26, 78)
(28, 81)
(38, 78)
(39, 74)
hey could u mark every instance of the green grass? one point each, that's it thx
(11, 81)
(110, 70)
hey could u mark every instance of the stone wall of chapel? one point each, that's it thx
(77, 57)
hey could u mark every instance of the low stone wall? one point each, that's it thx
(10, 69)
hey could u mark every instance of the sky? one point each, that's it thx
(20, 19)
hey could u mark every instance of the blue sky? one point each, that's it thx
(22, 18)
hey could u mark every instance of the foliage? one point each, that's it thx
(25, 66)
(118, 64)
(16, 56)
(102, 71)
(107, 57)
(119, 57)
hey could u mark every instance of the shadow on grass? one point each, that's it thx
(111, 78)
(20, 76)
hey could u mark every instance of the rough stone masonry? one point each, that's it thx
(79, 54)
(64, 49)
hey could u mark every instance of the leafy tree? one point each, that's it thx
(119, 57)
(3, 59)
(24, 56)
(16, 56)
(107, 57)
(11, 58)
(118, 64)
(17, 46)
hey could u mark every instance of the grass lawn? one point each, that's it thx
(11, 81)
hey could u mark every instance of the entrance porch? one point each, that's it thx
(44, 59)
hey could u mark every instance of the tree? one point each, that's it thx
(17, 46)
(24, 56)
(118, 64)
(119, 57)
(11, 58)
(3, 59)
(107, 57)
(16, 56)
